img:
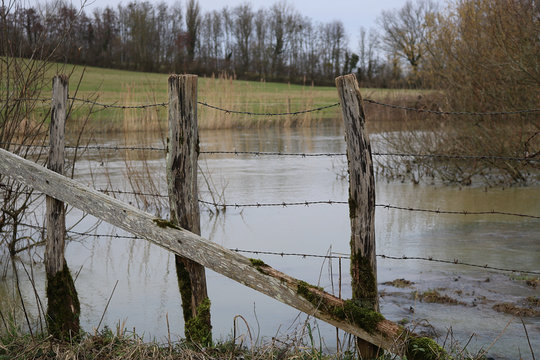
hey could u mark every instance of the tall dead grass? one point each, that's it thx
(225, 92)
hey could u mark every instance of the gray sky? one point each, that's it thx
(353, 13)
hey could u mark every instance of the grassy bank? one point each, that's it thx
(130, 88)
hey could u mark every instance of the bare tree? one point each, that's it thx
(367, 56)
(405, 31)
(243, 30)
(193, 22)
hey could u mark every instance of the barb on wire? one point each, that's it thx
(106, 191)
(525, 111)
(114, 106)
(267, 114)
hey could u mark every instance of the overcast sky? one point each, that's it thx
(353, 13)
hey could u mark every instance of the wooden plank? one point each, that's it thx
(182, 156)
(262, 278)
(361, 201)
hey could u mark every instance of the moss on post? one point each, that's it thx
(198, 329)
(184, 284)
(351, 311)
(365, 287)
(63, 308)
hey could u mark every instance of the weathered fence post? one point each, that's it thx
(63, 304)
(361, 202)
(183, 152)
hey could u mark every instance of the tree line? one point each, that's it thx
(417, 45)
(276, 43)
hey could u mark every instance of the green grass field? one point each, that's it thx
(120, 87)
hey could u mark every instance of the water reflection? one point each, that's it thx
(147, 290)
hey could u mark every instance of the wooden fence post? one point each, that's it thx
(183, 152)
(361, 203)
(63, 304)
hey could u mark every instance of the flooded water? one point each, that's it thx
(147, 296)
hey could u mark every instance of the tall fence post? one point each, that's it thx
(183, 152)
(361, 202)
(63, 304)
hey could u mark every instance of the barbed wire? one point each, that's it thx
(106, 191)
(367, 100)
(332, 255)
(281, 204)
(454, 212)
(345, 256)
(92, 147)
(438, 112)
(268, 153)
(322, 202)
(228, 111)
(386, 206)
(114, 106)
(26, 99)
(534, 157)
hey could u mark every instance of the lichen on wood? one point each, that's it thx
(165, 224)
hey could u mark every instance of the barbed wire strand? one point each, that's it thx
(332, 202)
(367, 100)
(438, 112)
(385, 206)
(345, 256)
(534, 157)
(228, 111)
(319, 202)
(308, 255)
(115, 106)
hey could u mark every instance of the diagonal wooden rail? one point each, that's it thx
(345, 315)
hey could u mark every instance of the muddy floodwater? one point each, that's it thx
(147, 292)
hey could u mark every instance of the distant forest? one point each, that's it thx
(274, 44)
(481, 52)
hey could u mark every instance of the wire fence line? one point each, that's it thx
(458, 113)
(229, 111)
(116, 106)
(531, 158)
(385, 206)
(316, 202)
(331, 255)
(329, 202)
